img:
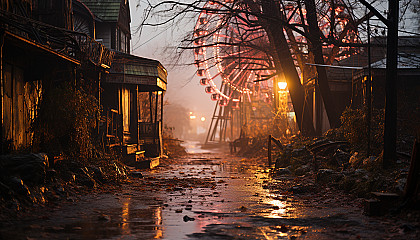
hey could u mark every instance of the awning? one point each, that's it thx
(149, 74)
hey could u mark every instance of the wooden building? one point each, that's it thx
(347, 81)
(408, 81)
(340, 83)
(132, 94)
(39, 50)
(134, 88)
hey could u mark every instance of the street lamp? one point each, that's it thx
(282, 105)
(282, 85)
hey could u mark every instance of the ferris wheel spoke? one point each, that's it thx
(227, 37)
(236, 80)
(234, 54)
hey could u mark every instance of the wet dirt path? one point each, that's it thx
(206, 196)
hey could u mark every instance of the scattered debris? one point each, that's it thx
(328, 176)
(187, 219)
(136, 174)
(30, 168)
(282, 171)
(104, 217)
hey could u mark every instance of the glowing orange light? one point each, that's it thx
(282, 85)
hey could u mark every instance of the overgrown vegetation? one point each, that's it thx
(343, 166)
(66, 121)
(172, 146)
(65, 129)
(354, 129)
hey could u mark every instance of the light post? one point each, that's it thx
(282, 85)
(282, 103)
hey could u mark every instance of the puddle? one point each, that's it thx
(194, 147)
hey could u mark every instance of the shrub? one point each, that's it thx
(354, 129)
(65, 123)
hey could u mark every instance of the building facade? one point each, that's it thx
(132, 94)
(39, 50)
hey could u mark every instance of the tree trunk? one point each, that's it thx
(315, 38)
(284, 63)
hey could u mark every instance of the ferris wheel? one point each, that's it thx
(231, 56)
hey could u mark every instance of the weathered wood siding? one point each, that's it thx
(18, 102)
(104, 32)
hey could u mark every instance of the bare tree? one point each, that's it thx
(288, 43)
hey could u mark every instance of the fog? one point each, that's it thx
(184, 93)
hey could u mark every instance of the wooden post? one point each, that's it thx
(151, 114)
(368, 93)
(269, 151)
(2, 150)
(413, 179)
(156, 127)
(136, 121)
(390, 132)
(161, 122)
(121, 115)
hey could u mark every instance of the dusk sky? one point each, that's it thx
(183, 84)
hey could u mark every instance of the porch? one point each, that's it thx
(133, 106)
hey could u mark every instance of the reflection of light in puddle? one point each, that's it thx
(265, 230)
(125, 215)
(193, 147)
(190, 148)
(276, 213)
(158, 221)
(156, 216)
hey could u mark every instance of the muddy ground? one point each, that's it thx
(210, 195)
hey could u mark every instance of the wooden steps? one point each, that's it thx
(148, 163)
(381, 203)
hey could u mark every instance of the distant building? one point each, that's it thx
(348, 86)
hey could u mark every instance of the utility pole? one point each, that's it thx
(390, 132)
(369, 93)
(2, 137)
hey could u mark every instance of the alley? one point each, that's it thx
(305, 114)
(207, 195)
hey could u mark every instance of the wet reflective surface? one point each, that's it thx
(194, 147)
(205, 196)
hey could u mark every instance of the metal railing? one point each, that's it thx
(75, 45)
(270, 148)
